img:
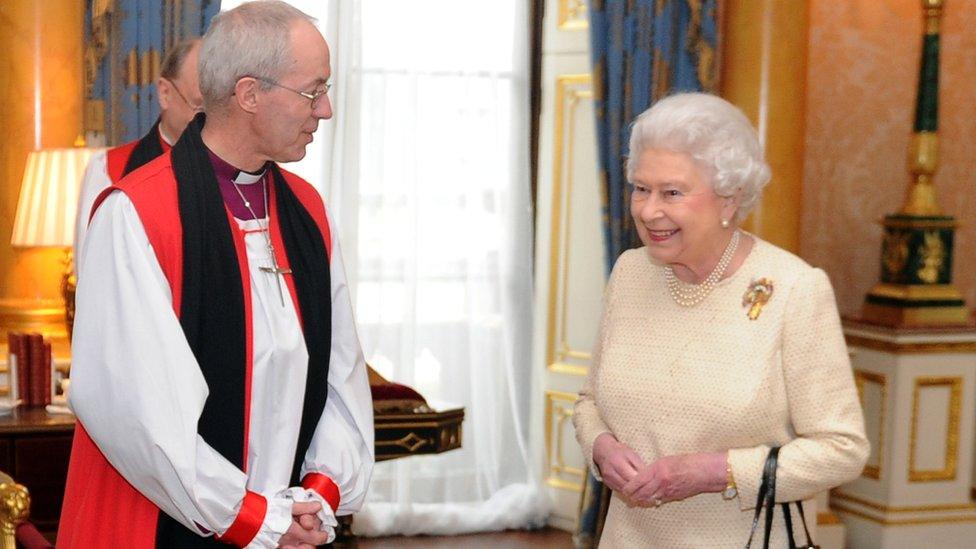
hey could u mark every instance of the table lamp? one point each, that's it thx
(46, 208)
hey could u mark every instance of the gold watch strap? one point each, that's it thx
(729, 479)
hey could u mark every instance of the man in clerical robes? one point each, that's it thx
(179, 101)
(217, 377)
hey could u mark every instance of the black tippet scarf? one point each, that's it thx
(148, 148)
(212, 310)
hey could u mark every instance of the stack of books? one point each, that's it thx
(30, 368)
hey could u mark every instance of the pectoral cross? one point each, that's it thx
(275, 270)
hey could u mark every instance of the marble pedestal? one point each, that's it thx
(918, 389)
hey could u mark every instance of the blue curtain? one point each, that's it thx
(125, 43)
(641, 50)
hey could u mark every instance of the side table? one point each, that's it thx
(34, 450)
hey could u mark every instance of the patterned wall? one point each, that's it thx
(862, 75)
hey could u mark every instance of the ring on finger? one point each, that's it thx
(657, 502)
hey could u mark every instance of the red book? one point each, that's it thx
(35, 376)
(46, 396)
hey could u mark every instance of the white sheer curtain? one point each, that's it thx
(426, 163)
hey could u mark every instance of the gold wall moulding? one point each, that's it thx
(948, 471)
(902, 522)
(559, 410)
(570, 89)
(573, 15)
(870, 510)
(568, 369)
(861, 378)
(838, 494)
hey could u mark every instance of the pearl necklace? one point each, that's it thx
(689, 295)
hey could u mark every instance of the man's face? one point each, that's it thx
(180, 99)
(285, 120)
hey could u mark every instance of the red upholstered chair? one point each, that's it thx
(29, 538)
(391, 397)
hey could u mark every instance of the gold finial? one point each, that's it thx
(933, 15)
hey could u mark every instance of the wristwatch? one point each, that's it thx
(730, 491)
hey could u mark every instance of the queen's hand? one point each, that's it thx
(674, 478)
(617, 462)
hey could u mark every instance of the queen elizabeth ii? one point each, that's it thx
(714, 346)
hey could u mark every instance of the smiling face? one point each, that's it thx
(285, 120)
(676, 211)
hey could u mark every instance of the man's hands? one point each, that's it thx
(304, 530)
(671, 478)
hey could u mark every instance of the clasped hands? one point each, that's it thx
(304, 531)
(670, 478)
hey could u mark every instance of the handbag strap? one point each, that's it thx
(806, 531)
(769, 471)
(789, 525)
(767, 499)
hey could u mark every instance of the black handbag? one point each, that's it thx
(767, 499)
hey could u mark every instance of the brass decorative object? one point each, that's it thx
(14, 509)
(756, 296)
(916, 259)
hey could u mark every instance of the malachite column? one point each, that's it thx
(916, 258)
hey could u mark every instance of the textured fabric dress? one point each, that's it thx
(667, 379)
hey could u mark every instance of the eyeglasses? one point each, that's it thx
(313, 97)
(194, 108)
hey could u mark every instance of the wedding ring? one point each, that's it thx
(657, 502)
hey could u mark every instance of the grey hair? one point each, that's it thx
(252, 39)
(713, 132)
(175, 57)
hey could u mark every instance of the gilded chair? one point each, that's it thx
(14, 510)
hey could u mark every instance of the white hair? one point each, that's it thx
(253, 39)
(715, 134)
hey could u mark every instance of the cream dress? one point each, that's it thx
(668, 380)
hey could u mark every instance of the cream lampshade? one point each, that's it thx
(49, 197)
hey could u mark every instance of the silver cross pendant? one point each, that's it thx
(275, 270)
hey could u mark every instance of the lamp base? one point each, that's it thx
(44, 316)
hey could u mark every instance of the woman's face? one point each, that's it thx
(676, 211)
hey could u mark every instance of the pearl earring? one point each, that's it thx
(725, 223)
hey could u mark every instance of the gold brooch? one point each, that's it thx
(757, 295)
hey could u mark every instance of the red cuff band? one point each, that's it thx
(248, 522)
(323, 486)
